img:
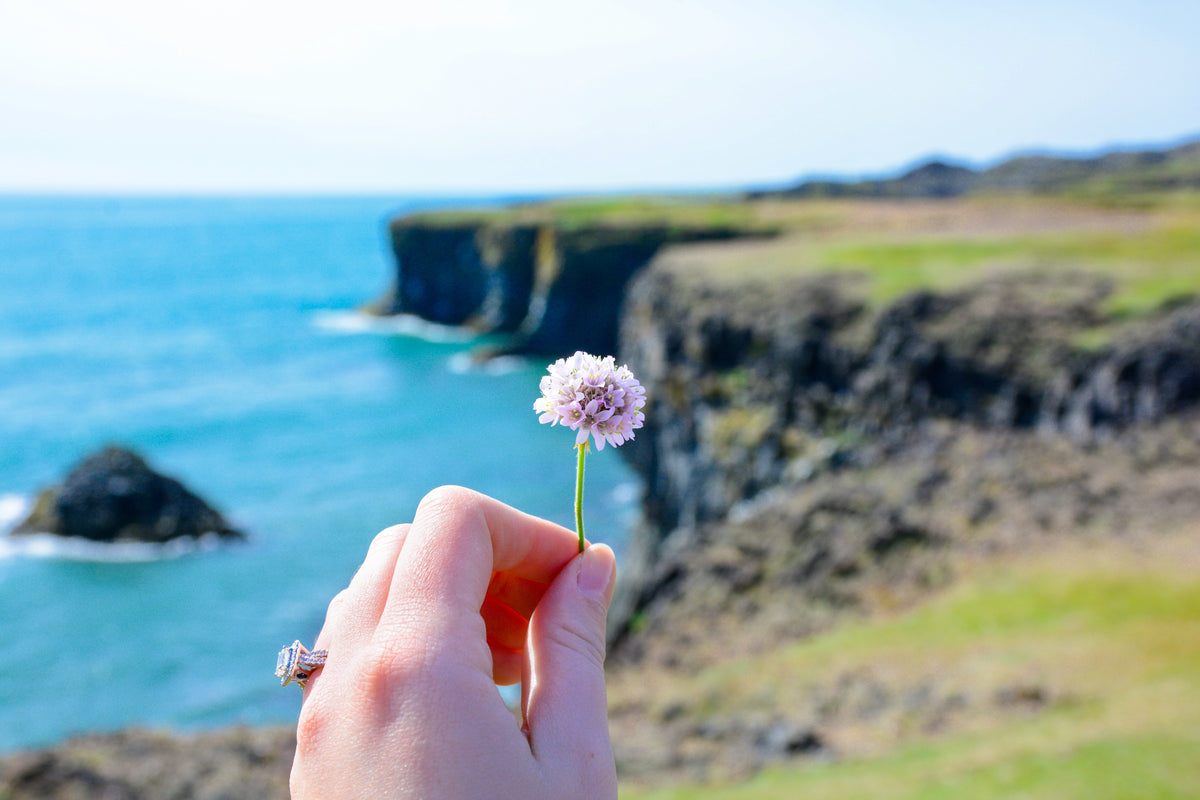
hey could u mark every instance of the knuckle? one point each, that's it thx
(577, 636)
(392, 655)
(309, 730)
(387, 536)
(447, 500)
(339, 606)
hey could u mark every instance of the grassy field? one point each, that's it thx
(1147, 267)
(1111, 636)
(670, 211)
(1150, 257)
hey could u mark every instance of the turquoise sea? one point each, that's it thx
(217, 336)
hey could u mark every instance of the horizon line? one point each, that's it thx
(534, 194)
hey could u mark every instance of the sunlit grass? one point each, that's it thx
(689, 212)
(1148, 268)
(1117, 640)
(1158, 766)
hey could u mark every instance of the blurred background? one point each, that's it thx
(913, 286)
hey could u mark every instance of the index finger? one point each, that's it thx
(458, 540)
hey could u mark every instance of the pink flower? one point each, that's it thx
(593, 396)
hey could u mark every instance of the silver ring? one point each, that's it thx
(296, 663)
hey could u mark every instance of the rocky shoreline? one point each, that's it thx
(234, 764)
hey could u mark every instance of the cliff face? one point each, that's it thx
(754, 387)
(448, 295)
(555, 288)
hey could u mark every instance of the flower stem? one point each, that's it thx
(582, 448)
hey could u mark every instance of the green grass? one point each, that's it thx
(678, 211)
(1147, 268)
(1116, 768)
(1119, 638)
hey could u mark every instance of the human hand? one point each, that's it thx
(471, 594)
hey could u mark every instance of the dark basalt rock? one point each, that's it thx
(547, 288)
(114, 496)
(754, 387)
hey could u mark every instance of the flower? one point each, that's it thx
(593, 396)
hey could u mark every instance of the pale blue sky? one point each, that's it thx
(492, 96)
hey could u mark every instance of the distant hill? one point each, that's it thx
(1116, 172)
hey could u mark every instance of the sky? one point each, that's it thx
(532, 96)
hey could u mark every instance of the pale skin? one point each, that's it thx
(471, 594)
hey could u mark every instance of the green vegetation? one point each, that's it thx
(1147, 267)
(1115, 641)
(669, 211)
(1134, 767)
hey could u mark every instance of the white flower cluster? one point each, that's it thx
(593, 396)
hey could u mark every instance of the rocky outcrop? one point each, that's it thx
(756, 386)
(552, 287)
(114, 496)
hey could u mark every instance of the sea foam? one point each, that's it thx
(12, 508)
(355, 322)
(63, 548)
(463, 363)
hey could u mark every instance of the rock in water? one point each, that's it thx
(114, 496)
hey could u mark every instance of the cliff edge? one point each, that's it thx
(551, 277)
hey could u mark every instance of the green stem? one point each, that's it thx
(582, 448)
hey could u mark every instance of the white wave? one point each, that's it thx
(12, 508)
(356, 322)
(626, 494)
(45, 545)
(463, 363)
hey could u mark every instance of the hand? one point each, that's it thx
(471, 594)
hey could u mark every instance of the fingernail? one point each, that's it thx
(596, 571)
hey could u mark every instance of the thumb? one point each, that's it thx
(566, 709)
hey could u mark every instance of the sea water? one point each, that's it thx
(218, 338)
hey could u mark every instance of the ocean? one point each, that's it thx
(218, 338)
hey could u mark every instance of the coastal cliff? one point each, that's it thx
(758, 386)
(552, 283)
